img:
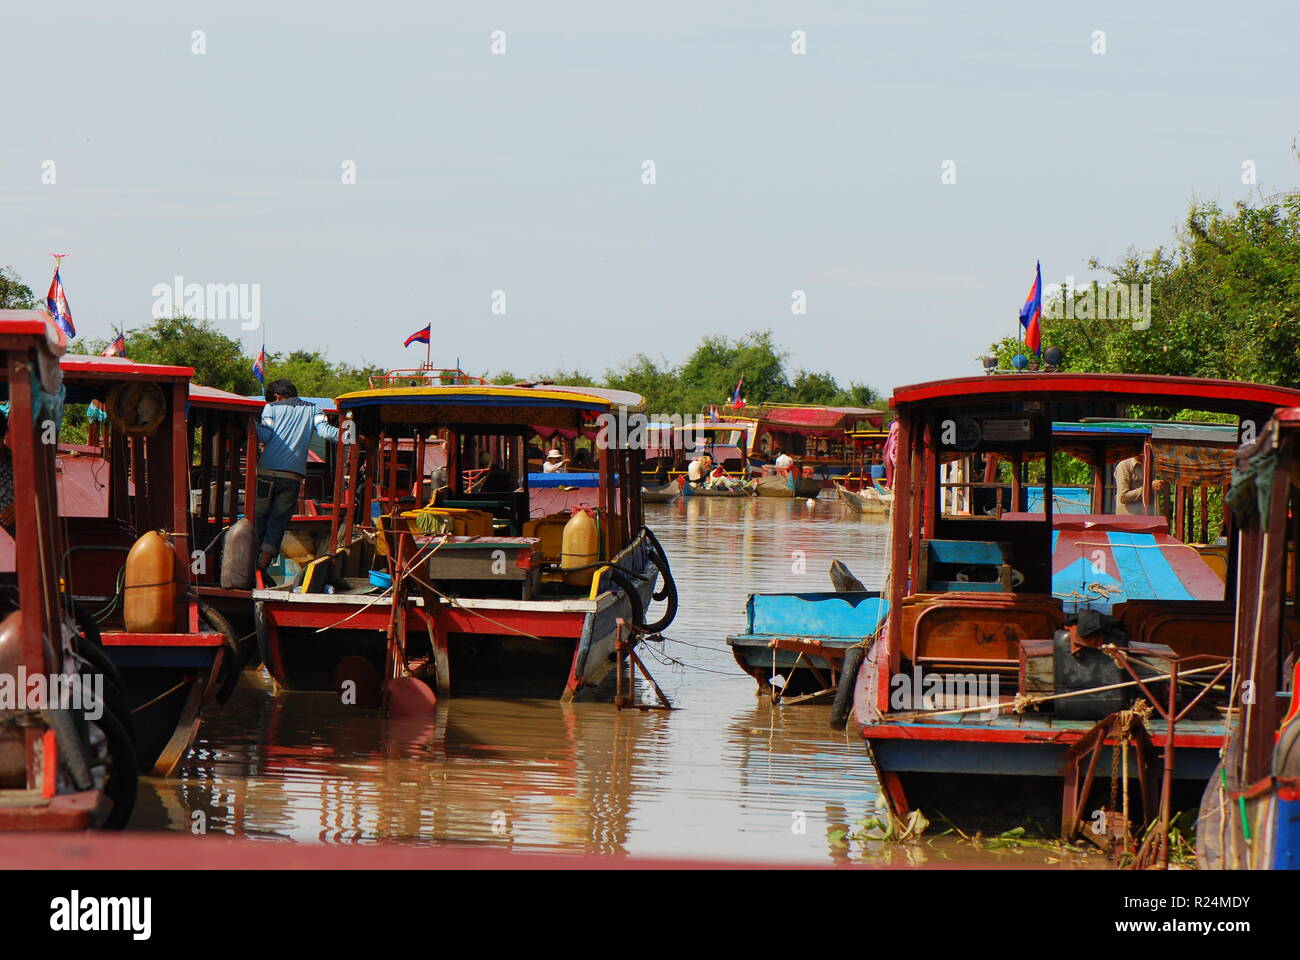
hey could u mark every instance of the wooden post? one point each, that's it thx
(179, 456)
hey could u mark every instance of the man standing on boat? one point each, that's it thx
(285, 432)
(1129, 482)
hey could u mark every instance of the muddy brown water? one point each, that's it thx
(724, 776)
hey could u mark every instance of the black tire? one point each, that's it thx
(669, 590)
(633, 598)
(94, 644)
(74, 754)
(843, 702)
(233, 662)
(114, 694)
(124, 777)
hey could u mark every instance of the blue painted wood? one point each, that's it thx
(1138, 557)
(848, 615)
(1286, 848)
(965, 552)
(1064, 500)
(1044, 759)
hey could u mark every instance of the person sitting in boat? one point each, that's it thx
(783, 463)
(285, 432)
(719, 479)
(555, 462)
(1129, 482)
(699, 469)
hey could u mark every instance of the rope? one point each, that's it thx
(1023, 701)
(165, 693)
(384, 594)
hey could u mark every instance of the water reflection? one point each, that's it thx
(724, 776)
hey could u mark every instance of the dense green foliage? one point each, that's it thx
(710, 373)
(1225, 302)
(14, 294)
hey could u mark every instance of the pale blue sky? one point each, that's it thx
(522, 172)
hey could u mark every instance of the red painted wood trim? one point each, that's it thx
(1064, 385)
(161, 639)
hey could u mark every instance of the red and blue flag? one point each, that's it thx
(117, 348)
(1031, 314)
(736, 400)
(420, 336)
(56, 301)
(259, 367)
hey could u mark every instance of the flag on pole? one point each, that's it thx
(117, 348)
(736, 401)
(420, 336)
(713, 414)
(1031, 313)
(56, 301)
(259, 366)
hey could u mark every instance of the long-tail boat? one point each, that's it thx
(477, 589)
(138, 490)
(977, 700)
(1250, 810)
(66, 763)
(860, 487)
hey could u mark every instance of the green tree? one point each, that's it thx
(1224, 302)
(14, 294)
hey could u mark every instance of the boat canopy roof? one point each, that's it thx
(519, 405)
(84, 367)
(37, 329)
(811, 417)
(213, 398)
(1192, 392)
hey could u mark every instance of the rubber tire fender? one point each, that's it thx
(842, 705)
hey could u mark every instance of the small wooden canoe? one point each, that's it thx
(656, 493)
(868, 500)
(788, 487)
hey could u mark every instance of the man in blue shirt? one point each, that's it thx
(285, 434)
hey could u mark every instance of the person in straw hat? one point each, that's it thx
(555, 462)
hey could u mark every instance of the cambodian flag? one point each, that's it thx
(1032, 313)
(57, 303)
(420, 336)
(713, 414)
(259, 367)
(117, 348)
(736, 401)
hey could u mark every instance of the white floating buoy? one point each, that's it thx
(811, 502)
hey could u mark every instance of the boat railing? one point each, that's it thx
(424, 376)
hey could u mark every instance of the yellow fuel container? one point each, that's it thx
(579, 546)
(149, 600)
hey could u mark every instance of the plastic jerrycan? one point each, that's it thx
(578, 547)
(149, 600)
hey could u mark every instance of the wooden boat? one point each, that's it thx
(874, 499)
(64, 765)
(474, 598)
(660, 492)
(1250, 809)
(974, 598)
(798, 483)
(794, 644)
(671, 448)
(141, 462)
(690, 489)
(819, 437)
